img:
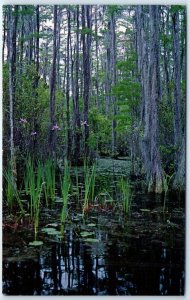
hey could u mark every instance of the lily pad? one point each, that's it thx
(59, 200)
(51, 231)
(54, 232)
(52, 225)
(91, 225)
(86, 233)
(89, 240)
(36, 243)
(48, 229)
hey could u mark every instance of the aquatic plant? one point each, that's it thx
(126, 194)
(77, 186)
(33, 185)
(166, 182)
(65, 186)
(37, 197)
(12, 193)
(49, 179)
(89, 184)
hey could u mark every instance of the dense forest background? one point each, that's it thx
(83, 81)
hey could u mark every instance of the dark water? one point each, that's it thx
(140, 255)
(77, 271)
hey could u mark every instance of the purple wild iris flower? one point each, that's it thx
(84, 123)
(55, 127)
(23, 121)
(34, 133)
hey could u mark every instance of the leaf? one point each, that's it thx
(86, 233)
(36, 243)
(52, 225)
(50, 231)
(89, 240)
(53, 232)
(91, 225)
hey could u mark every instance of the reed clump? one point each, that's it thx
(126, 195)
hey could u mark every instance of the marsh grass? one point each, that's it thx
(49, 179)
(33, 185)
(126, 194)
(77, 187)
(89, 184)
(166, 182)
(65, 187)
(12, 193)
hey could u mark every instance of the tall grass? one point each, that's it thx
(77, 186)
(33, 184)
(126, 195)
(49, 179)
(12, 194)
(89, 182)
(166, 181)
(65, 187)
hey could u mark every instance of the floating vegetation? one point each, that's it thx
(91, 225)
(86, 233)
(36, 243)
(89, 240)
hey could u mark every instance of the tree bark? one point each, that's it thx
(68, 76)
(113, 81)
(177, 80)
(156, 174)
(12, 32)
(150, 83)
(86, 38)
(76, 116)
(52, 133)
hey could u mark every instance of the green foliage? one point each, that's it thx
(49, 170)
(126, 195)
(100, 128)
(177, 8)
(86, 31)
(166, 180)
(127, 91)
(11, 192)
(113, 9)
(65, 187)
(89, 184)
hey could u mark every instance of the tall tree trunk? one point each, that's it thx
(149, 77)
(52, 132)
(86, 37)
(108, 69)
(156, 174)
(21, 42)
(77, 121)
(4, 34)
(179, 179)
(97, 57)
(12, 32)
(113, 81)
(177, 79)
(68, 143)
(58, 47)
(179, 74)
(36, 80)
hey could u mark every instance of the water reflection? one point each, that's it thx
(111, 268)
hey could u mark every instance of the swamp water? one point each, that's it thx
(103, 253)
